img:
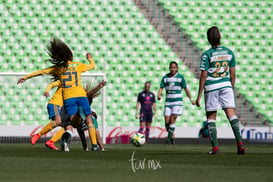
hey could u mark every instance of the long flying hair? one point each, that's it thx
(59, 54)
(214, 36)
(92, 92)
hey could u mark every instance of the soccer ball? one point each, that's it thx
(138, 139)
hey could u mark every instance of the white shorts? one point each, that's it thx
(223, 97)
(174, 110)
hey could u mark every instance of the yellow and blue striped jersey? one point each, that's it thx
(71, 79)
(51, 70)
(57, 98)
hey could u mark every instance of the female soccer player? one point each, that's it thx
(218, 79)
(69, 73)
(173, 82)
(147, 101)
(53, 108)
(80, 118)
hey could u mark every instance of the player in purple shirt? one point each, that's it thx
(148, 108)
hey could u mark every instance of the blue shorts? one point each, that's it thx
(53, 110)
(72, 106)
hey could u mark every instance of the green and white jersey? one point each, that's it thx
(217, 61)
(173, 85)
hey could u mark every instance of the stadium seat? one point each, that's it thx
(247, 29)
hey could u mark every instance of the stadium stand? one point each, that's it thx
(124, 45)
(247, 29)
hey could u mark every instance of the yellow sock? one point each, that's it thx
(58, 135)
(92, 134)
(47, 128)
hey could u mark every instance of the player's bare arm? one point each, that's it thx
(137, 107)
(232, 76)
(189, 95)
(159, 93)
(202, 81)
(46, 94)
(21, 80)
(91, 64)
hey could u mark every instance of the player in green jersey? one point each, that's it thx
(173, 82)
(217, 79)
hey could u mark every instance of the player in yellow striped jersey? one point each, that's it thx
(69, 74)
(79, 119)
(75, 96)
(53, 108)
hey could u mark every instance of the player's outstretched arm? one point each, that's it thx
(45, 71)
(202, 81)
(91, 64)
(99, 86)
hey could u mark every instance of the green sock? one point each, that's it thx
(170, 133)
(236, 130)
(213, 134)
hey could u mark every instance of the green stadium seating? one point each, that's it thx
(124, 45)
(246, 27)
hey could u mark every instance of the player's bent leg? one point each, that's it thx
(142, 126)
(83, 139)
(213, 137)
(99, 140)
(171, 129)
(92, 132)
(47, 128)
(147, 131)
(56, 137)
(167, 117)
(235, 125)
(44, 130)
(65, 138)
(51, 145)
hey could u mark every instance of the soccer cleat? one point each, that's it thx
(94, 147)
(214, 151)
(50, 144)
(65, 147)
(241, 148)
(172, 141)
(35, 138)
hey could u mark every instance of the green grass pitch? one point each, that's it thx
(154, 162)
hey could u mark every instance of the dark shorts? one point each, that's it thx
(146, 117)
(53, 110)
(65, 117)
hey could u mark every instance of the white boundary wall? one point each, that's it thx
(250, 133)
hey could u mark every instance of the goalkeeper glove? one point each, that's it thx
(137, 115)
(155, 116)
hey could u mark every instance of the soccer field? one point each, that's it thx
(154, 162)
